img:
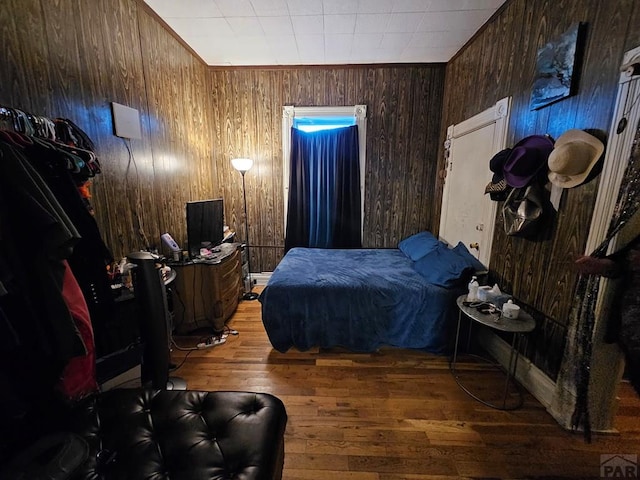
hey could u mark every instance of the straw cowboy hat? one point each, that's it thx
(528, 156)
(574, 155)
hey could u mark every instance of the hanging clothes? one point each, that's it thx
(90, 255)
(577, 356)
(61, 133)
(32, 253)
(54, 287)
(624, 327)
(79, 377)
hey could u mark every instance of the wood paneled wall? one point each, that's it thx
(500, 62)
(71, 59)
(404, 105)
(66, 58)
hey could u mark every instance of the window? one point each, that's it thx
(318, 118)
(313, 124)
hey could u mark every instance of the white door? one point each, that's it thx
(467, 214)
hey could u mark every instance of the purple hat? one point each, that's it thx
(529, 155)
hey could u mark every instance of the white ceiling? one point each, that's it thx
(324, 32)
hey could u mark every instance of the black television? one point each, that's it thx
(205, 225)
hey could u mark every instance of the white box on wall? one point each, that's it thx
(126, 121)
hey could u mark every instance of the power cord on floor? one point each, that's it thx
(217, 338)
(205, 342)
(183, 360)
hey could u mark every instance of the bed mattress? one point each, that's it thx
(360, 299)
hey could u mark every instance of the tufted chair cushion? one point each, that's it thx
(181, 435)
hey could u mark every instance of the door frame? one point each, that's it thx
(498, 114)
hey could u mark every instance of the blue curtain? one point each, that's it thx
(324, 189)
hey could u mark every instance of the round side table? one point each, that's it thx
(517, 327)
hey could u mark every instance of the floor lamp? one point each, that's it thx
(242, 165)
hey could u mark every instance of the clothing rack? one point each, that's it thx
(58, 132)
(55, 295)
(26, 123)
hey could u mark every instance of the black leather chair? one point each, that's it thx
(131, 434)
(161, 434)
(182, 435)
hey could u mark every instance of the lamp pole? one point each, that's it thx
(243, 165)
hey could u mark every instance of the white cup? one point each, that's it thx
(510, 310)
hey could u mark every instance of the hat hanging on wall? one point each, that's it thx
(574, 155)
(528, 156)
(497, 184)
(496, 187)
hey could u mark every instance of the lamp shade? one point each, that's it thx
(242, 164)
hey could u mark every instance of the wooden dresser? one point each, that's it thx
(206, 292)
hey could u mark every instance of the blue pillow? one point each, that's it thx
(417, 246)
(473, 262)
(444, 267)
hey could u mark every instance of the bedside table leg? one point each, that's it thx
(513, 363)
(455, 347)
(469, 336)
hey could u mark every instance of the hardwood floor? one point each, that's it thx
(398, 414)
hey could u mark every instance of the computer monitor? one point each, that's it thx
(205, 224)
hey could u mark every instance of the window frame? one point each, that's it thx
(289, 113)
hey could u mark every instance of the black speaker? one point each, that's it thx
(151, 296)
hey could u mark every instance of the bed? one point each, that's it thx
(357, 299)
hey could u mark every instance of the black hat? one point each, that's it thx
(497, 183)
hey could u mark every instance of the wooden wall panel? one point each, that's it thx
(25, 54)
(500, 62)
(114, 67)
(71, 59)
(180, 125)
(633, 33)
(403, 119)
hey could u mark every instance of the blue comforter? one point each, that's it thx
(357, 299)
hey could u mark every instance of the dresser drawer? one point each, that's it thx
(229, 267)
(208, 292)
(230, 300)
